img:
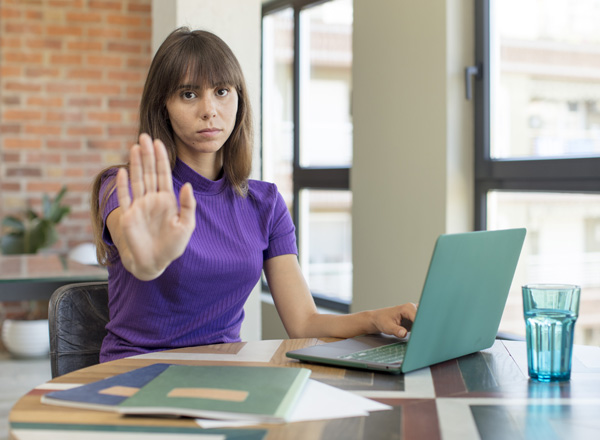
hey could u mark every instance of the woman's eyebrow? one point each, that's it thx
(187, 86)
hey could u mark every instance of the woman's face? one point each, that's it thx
(202, 118)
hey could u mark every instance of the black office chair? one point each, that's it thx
(77, 316)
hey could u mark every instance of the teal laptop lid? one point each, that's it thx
(464, 295)
(460, 308)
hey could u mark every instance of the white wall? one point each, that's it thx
(413, 131)
(412, 172)
(238, 23)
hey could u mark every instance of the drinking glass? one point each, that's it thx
(550, 313)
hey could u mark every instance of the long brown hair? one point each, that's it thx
(211, 63)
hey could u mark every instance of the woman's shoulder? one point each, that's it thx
(261, 188)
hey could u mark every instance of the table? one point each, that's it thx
(37, 276)
(484, 395)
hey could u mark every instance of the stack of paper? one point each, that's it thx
(223, 394)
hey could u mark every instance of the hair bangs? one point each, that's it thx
(206, 65)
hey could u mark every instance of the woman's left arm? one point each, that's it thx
(301, 319)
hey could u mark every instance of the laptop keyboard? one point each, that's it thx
(387, 354)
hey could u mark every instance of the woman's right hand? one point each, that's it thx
(149, 229)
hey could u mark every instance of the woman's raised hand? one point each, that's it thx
(151, 225)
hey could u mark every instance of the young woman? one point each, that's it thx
(186, 234)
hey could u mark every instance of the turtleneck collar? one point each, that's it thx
(183, 173)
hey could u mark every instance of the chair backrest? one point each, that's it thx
(77, 316)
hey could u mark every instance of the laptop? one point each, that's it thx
(459, 311)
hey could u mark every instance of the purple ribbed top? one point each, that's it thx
(199, 298)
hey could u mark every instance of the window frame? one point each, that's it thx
(320, 178)
(573, 174)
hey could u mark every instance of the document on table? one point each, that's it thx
(317, 402)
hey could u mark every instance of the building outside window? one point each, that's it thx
(307, 134)
(538, 144)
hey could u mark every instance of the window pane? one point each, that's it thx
(562, 246)
(326, 84)
(326, 242)
(545, 78)
(277, 98)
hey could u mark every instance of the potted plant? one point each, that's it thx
(27, 335)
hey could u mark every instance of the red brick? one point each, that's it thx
(11, 157)
(44, 43)
(140, 63)
(124, 47)
(45, 187)
(69, 58)
(85, 130)
(64, 144)
(140, 34)
(64, 116)
(84, 17)
(39, 72)
(34, 15)
(22, 86)
(123, 103)
(87, 46)
(104, 60)
(69, 3)
(22, 143)
(47, 158)
(10, 71)
(63, 87)
(64, 31)
(106, 5)
(10, 186)
(10, 128)
(124, 20)
(105, 116)
(83, 158)
(24, 28)
(10, 43)
(7, 13)
(23, 172)
(45, 101)
(126, 76)
(103, 89)
(21, 115)
(11, 100)
(105, 145)
(84, 102)
(122, 130)
(139, 7)
(46, 130)
(134, 90)
(20, 57)
(104, 32)
(84, 74)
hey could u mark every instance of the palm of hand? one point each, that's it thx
(153, 231)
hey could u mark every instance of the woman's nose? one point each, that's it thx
(207, 108)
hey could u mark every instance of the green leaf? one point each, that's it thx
(13, 223)
(12, 244)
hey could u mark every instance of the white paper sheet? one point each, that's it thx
(318, 402)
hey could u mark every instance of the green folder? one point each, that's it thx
(259, 394)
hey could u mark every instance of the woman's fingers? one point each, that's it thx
(148, 163)
(135, 170)
(187, 213)
(163, 167)
(123, 189)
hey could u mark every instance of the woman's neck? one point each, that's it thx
(208, 165)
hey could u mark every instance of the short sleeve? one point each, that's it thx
(108, 201)
(282, 234)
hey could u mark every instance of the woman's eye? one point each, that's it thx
(222, 92)
(188, 95)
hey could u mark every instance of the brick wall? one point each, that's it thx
(71, 75)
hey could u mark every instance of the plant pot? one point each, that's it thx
(26, 339)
